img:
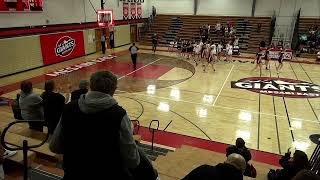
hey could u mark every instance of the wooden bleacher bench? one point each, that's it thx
(16, 140)
(176, 165)
(18, 158)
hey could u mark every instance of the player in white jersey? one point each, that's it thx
(219, 51)
(213, 57)
(197, 52)
(205, 55)
(229, 51)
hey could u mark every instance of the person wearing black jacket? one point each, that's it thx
(232, 169)
(83, 89)
(290, 166)
(241, 149)
(53, 104)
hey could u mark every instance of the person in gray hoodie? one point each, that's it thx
(31, 106)
(95, 130)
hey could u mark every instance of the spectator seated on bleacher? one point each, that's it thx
(53, 104)
(306, 175)
(232, 169)
(97, 124)
(83, 89)
(31, 106)
(291, 166)
(318, 56)
(240, 148)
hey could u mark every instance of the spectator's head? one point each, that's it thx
(300, 159)
(306, 175)
(49, 85)
(240, 143)
(103, 81)
(83, 84)
(26, 87)
(237, 161)
(133, 44)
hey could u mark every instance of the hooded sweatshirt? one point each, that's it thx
(31, 106)
(94, 102)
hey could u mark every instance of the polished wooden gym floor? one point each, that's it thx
(200, 104)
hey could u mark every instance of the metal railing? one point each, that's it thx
(152, 130)
(25, 147)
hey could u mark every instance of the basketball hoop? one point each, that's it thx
(105, 18)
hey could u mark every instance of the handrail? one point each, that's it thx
(152, 131)
(25, 146)
(3, 143)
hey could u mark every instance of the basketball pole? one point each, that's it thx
(102, 4)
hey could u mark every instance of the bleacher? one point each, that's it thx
(246, 29)
(306, 23)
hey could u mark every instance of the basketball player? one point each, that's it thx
(189, 49)
(258, 60)
(213, 56)
(205, 55)
(219, 51)
(280, 60)
(197, 52)
(266, 58)
(229, 50)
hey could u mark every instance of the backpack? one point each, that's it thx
(16, 108)
(250, 171)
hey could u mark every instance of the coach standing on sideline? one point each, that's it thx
(133, 51)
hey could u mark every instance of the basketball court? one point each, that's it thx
(199, 104)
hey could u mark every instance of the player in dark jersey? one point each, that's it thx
(258, 60)
(280, 60)
(266, 58)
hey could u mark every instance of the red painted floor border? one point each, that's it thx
(177, 140)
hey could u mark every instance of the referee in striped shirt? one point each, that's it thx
(134, 50)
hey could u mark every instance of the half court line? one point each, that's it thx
(139, 68)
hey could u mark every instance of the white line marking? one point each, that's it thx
(139, 68)
(208, 105)
(224, 83)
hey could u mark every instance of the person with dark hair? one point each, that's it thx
(240, 148)
(259, 56)
(53, 104)
(83, 89)
(291, 166)
(134, 53)
(231, 169)
(154, 42)
(31, 106)
(111, 37)
(103, 43)
(96, 121)
(280, 61)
